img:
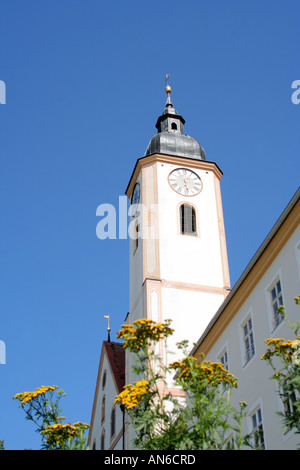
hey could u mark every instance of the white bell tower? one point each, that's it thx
(178, 256)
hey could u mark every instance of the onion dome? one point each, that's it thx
(170, 138)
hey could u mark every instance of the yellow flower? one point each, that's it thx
(139, 335)
(271, 341)
(25, 397)
(243, 404)
(132, 395)
(204, 373)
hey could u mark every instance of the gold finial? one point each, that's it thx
(168, 88)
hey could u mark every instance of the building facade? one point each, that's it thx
(179, 271)
(178, 256)
(107, 421)
(236, 335)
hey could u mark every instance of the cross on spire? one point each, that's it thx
(168, 88)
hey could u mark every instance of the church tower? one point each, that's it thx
(178, 256)
(178, 262)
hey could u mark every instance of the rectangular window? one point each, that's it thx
(276, 302)
(248, 339)
(223, 358)
(297, 252)
(230, 442)
(257, 429)
(289, 397)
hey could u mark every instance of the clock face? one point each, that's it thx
(185, 182)
(135, 198)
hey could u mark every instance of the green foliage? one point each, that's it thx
(205, 419)
(161, 420)
(284, 358)
(65, 436)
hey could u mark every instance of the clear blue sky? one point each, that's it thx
(84, 87)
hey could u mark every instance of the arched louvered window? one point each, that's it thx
(137, 230)
(187, 219)
(113, 422)
(102, 440)
(103, 409)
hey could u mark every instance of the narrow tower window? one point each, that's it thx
(113, 422)
(103, 409)
(102, 440)
(174, 126)
(137, 230)
(187, 219)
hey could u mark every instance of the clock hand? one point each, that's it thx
(185, 182)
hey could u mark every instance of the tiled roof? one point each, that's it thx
(116, 356)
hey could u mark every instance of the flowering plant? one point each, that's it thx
(161, 419)
(284, 358)
(42, 407)
(65, 436)
(141, 333)
(133, 394)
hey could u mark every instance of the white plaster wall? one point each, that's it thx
(110, 393)
(190, 312)
(135, 261)
(254, 381)
(137, 311)
(189, 258)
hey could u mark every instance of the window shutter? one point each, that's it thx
(187, 219)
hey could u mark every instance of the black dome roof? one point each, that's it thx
(170, 138)
(171, 143)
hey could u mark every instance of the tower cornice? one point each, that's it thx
(157, 157)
